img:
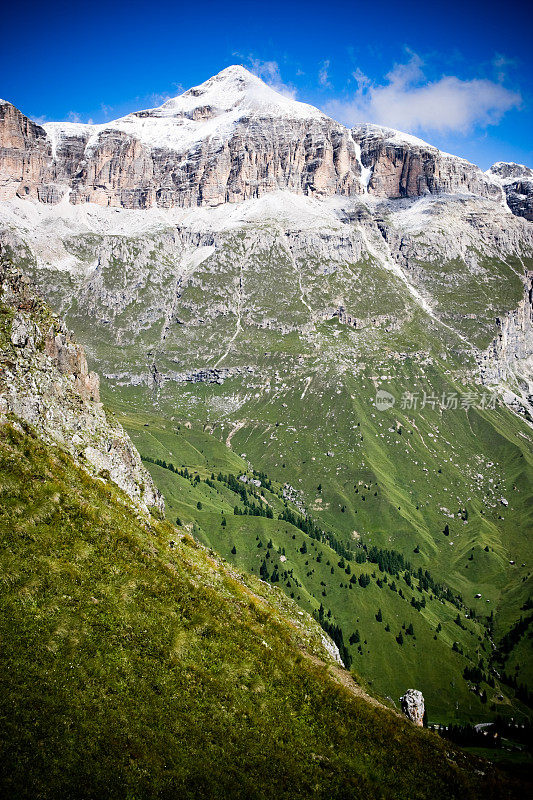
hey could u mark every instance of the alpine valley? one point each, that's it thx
(310, 449)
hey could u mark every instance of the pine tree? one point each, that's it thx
(379, 616)
(234, 550)
(264, 571)
(355, 638)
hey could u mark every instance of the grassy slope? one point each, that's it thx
(133, 669)
(424, 661)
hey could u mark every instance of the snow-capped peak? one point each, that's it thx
(509, 171)
(237, 88)
(211, 110)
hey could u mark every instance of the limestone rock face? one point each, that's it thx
(69, 358)
(413, 706)
(398, 165)
(228, 140)
(511, 351)
(517, 183)
(25, 156)
(232, 138)
(45, 381)
(261, 155)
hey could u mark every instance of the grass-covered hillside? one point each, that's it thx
(135, 664)
(402, 625)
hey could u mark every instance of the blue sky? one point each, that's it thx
(455, 73)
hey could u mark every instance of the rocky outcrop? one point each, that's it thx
(156, 379)
(45, 381)
(413, 706)
(509, 170)
(510, 354)
(517, 183)
(519, 195)
(25, 156)
(69, 358)
(398, 165)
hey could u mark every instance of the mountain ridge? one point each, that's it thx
(212, 145)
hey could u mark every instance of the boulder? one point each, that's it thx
(413, 707)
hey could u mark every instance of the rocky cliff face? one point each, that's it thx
(230, 139)
(398, 165)
(511, 351)
(45, 381)
(25, 156)
(517, 183)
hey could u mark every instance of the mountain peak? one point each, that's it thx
(236, 71)
(211, 110)
(236, 89)
(509, 170)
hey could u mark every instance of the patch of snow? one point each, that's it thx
(366, 172)
(393, 136)
(57, 131)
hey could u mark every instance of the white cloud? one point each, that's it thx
(269, 72)
(73, 116)
(501, 65)
(323, 74)
(157, 99)
(408, 102)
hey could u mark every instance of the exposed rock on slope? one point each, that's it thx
(25, 155)
(45, 381)
(413, 706)
(511, 351)
(517, 183)
(399, 165)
